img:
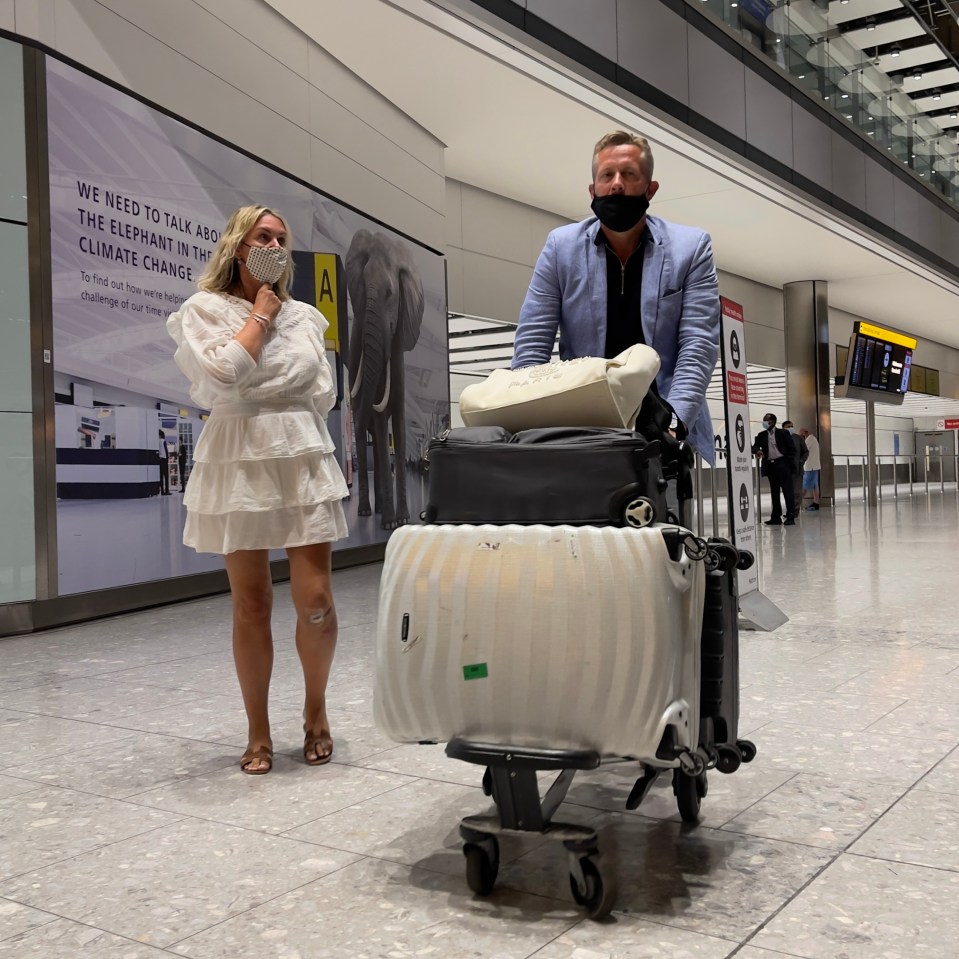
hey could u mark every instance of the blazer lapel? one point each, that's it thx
(596, 280)
(653, 265)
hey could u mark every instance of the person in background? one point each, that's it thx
(181, 465)
(811, 470)
(623, 277)
(798, 460)
(163, 453)
(776, 451)
(264, 475)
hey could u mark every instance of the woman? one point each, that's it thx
(264, 474)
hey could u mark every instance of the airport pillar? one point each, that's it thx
(806, 310)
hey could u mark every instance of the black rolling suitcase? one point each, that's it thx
(575, 476)
(719, 661)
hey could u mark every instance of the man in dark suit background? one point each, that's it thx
(777, 452)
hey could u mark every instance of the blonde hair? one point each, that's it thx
(622, 138)
(222, 273)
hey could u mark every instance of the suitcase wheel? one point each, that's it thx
(747, 749)
(590, 889)
(746, 559)
(730, 758)
(721, 556)
(689, 792)
(639, 512)
(696, 547)
(482, 865)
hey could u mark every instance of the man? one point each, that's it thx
(798, 459)
(811, 468)
(620, 278)
(163, 455)
(776, 449)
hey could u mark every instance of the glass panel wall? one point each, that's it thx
(868, 82)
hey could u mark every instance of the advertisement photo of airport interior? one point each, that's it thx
(479, 479)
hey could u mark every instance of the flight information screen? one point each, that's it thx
(879, 359)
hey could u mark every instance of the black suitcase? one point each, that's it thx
(575, 476)
(719, 676)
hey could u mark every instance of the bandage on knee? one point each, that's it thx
(319, 617)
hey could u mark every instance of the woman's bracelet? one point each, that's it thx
(264, 321)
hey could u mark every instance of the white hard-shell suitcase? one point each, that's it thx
(553, 637)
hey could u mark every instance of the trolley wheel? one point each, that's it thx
(597, 895)
(746, 559)
(689, 792)
(747, 750)
(730, 758)
(639, 512)
(481, 866)
(713, 561)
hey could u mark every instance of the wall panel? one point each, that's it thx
(717, 84)
(653, 45)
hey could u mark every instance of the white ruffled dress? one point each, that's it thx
(264, 474)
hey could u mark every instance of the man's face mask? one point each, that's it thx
(266, 263)
(768, 424)
(619, 212)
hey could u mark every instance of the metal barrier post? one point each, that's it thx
(865, 493)
(879, 476)
(700, 522)
(942, 473)
(715, 500)
(925, 463)
(895, 479)
(848, 485)
(758, 491)
(912, 471)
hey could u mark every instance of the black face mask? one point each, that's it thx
(619, 212)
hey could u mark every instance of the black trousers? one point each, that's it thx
(164, 476)
(781, 478)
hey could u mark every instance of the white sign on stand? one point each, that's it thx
(739, 457)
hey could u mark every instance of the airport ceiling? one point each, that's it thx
(520, 122)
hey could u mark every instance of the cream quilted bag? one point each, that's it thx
(590, 391)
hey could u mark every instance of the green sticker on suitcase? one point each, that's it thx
(475, 671)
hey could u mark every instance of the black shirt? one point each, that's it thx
(624, 283)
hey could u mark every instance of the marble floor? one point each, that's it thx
(127, 830)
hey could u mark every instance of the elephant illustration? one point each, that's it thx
(387, 296)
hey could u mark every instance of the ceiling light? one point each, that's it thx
(895, 50)
(917, 75)
(871, 24)
(953, 113)
(842, 3)
(845, 96)
(937, 94)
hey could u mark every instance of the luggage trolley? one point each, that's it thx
(472, 483)
(511, 779)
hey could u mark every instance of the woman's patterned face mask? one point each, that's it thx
(266, 263)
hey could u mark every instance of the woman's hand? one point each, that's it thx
(267, 302)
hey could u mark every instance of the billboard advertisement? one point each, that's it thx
(137, 200)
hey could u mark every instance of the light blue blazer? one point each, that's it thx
(680, 311)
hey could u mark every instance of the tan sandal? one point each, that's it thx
(311, 744)
(262, 754)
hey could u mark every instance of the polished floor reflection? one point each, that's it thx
(128, 831)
